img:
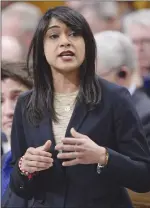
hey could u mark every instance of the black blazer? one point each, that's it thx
(115, 124)
(9, 198)
(142, 104)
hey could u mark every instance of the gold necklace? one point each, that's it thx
(69, 107)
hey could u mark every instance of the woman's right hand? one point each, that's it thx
(37, 159)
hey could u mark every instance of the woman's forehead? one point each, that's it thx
(56, 22)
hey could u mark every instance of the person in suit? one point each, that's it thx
(117, 63)
(77, 140)
(136, 26)
(3, 140)
(15, 81)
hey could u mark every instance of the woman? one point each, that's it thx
(76, 139)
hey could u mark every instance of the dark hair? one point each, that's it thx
(17, 72)
(43, 92)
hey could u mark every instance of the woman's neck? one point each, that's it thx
(65, 83)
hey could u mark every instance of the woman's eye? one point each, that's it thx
(54, 36)
(73, 33)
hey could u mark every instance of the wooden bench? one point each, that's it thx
(140, 200)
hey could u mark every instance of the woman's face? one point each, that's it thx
(64, 49)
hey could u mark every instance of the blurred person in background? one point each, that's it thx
(117, 63)
(15, 80)
(99, 14)
(76, 5)
(5, 4)
(137, 26)
(125, 7)
(3, 140)
(20, 20)
(11, 49)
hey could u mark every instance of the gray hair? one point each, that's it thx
(140, 17)
(106, 9)
(103, 9)
(11, 49)
(28, 15)
(114, 50)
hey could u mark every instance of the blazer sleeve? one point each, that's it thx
(130, 164)
(19, 183)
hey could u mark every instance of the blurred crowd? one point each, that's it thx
(122, 35)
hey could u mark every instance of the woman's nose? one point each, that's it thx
(64, 42)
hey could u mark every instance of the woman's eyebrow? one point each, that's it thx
(53, 26)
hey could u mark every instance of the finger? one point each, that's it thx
(37, 164)
(59, 146)
(40, 169)
(35, 151)
(76, 134)
(69, 155)
(62, 147)
(35, 169)
(73, 141)
(38, 158)
(69, 148)
(71, 162)
(30, 150)
(46, 146)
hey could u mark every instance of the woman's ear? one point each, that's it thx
(123, 72)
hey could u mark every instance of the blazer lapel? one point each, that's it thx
(79, 114)
(45, 127)
(46, 131)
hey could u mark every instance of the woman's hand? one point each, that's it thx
(37, 159)
(80, 150)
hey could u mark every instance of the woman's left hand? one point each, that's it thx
(80, 150)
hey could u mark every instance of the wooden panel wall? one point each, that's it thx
(44, 5)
